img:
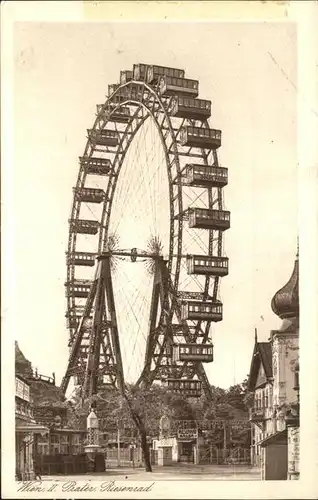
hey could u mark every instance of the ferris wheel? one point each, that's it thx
(145, 250)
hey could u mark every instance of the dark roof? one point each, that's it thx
(285, 302)
(277, 438)
(262, 354)
(22, 365)
(265, 350)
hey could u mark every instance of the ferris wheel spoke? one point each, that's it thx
(147, 161)
(125, 203)
(125, 181)
(136, 311)
(158, 154)
(149, 181)
(129, 182)
(134, 289)
(143, 177)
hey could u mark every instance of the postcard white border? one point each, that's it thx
(305, 15)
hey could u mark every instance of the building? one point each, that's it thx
(26, 430)
(180, 445)
(62, 449)
(273, 380)
(45, 442)
(260, 382)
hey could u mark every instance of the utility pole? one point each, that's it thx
(224, 438)
(118, 444)
(197, 460)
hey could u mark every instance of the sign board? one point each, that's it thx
(165, 442)
(47, 415)
(22, 390)
(187, 433)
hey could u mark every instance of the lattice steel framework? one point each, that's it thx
(95, 354)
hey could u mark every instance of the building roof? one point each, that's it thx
(31, 428)
(265, 350)
(262, 355)
(277, 438)
(67, 430)
(285, 302)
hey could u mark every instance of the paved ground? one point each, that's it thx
(178, 472)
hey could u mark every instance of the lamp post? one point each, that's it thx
(93, 445)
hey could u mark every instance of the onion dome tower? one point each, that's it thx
(285, 347)
(285, 302)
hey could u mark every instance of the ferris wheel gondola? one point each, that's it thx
(154, 111)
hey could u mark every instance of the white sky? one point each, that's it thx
(62, 71)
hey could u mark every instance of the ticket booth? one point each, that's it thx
(164, 455)
(187, 443)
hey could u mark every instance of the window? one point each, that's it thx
(76, 449)
(43, 439)
(65, 449)
(55, 438)
(43, 449)
(65, 438)
(55, 449)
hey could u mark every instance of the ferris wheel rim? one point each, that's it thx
(81, 182)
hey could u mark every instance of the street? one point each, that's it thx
(180, 472)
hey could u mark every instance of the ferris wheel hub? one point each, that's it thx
(134, 253)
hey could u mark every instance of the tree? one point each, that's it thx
(117, 407)
(135, 412)
(236, 395)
